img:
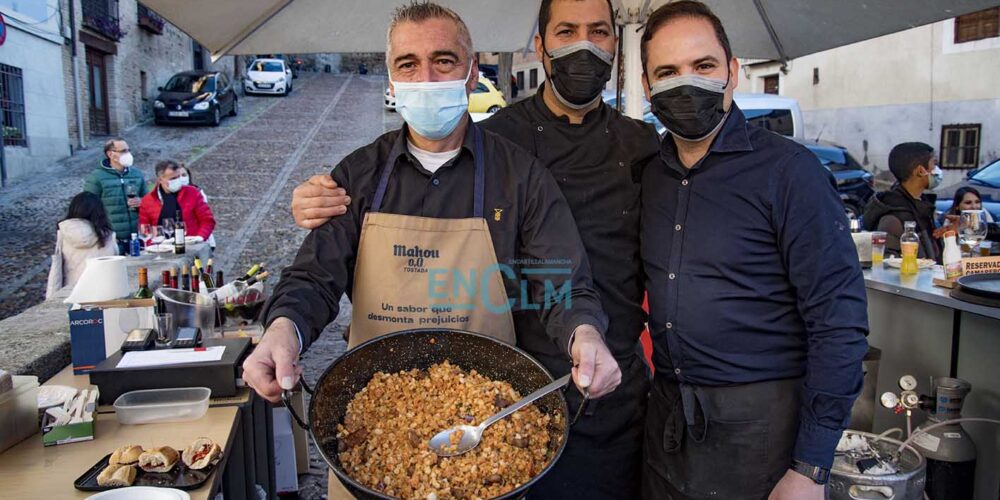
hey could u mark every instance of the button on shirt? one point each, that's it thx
(528, 219)
(597, 165)
(753, 276)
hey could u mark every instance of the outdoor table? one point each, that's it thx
(241, 423)
(924, 332)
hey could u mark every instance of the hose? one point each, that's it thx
(942, 424)
(890, 431)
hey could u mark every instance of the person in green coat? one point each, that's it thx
(121, 189)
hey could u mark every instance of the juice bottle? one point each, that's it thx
(952, 256)
(909, 244)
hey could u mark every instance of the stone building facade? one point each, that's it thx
(124, 52)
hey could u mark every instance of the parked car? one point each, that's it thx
(268, 76)
(855, 184)
(196, 97)
(389, 100)
(986, 180)
(486, 98)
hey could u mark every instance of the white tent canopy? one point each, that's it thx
(764, 29)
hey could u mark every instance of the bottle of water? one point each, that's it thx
(134, 247)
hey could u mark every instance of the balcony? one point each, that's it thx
(150, 21)
(102, 17)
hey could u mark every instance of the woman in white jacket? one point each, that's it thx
(84, 233)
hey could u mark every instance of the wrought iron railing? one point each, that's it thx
(15, 131)
(102, 16)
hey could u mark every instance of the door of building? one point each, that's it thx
(97, 82)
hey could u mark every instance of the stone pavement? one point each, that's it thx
(248, 167)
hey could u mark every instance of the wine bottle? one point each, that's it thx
(208, 267)
(259, 277)
(204, 276)
(195, 282)
(253, 270)
(179, 234)
(218, 278)
(185, 279)
(144, 292)
(173, 277)
(165, 277)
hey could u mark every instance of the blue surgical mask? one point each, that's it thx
(432, 109)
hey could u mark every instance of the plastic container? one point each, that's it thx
(162, 405)
(19, 412)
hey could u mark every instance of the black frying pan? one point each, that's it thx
(414, 349)
(986, 285)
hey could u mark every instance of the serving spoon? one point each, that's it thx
(472, 435)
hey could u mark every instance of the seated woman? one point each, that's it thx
(84, 233)
(188, 180)
(967, 198)
(172, 200)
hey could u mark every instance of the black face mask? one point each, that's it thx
(690, 106)
(579, 73)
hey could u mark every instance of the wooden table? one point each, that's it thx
(242, 422)
(30, 470)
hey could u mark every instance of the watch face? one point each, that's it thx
(889, 400)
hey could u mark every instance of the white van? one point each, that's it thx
(773, 112)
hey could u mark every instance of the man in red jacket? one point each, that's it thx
(171, 197)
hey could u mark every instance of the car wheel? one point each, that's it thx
(236, 107)
(493, 109)
(216, 117)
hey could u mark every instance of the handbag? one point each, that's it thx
(55, 269)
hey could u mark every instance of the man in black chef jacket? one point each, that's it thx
(439, 167)
(596, 155)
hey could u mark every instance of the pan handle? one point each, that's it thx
(286, 398)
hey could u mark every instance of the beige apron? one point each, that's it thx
(419, 272)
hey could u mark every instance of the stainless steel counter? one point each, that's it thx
(921, 287)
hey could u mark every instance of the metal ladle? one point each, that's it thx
(472, 435)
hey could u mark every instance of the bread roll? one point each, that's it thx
(126, 455)
(116, 475)
(161, 459)
(201, 453)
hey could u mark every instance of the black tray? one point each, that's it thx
(985, 285)
(179, 477)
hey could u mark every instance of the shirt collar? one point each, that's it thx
(538, 102)
(733, 137)
(399, 147)
(105, 163)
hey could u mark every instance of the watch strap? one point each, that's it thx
(818, 474)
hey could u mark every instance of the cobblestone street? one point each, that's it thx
(248, 167)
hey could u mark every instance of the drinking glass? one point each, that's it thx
(145, 234)
(878, 247)
(158, 239)
(972, 228)
(165, 331)
(168, 228)
(132, 193)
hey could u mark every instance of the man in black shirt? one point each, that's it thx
(596, 156)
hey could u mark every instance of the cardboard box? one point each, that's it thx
(63, 434)
(286, 479)
(97, 329)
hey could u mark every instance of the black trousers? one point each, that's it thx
(603, 457)
(717, 443)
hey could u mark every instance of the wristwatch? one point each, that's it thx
(819, 475)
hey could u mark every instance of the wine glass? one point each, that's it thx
(168, 228)
(132, 193)
(165, 329)
(972, 228)
(158, 239)
(145, 234)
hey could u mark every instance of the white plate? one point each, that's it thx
(161, 248)
(54, 395)
(188, 240)
(141, 492)
(897, 262)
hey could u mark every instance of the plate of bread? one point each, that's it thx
(160, 466)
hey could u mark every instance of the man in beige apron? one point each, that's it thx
(407, 251)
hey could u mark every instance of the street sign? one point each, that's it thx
(3, 29)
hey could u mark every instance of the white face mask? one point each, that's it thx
(174, 185)
(125, 159)
(185, 180)
(937, 175)
(432, 109)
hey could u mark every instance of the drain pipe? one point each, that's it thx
(76, 77)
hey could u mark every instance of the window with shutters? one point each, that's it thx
(15, 131)
(960, 145)
(977, 25)
(771, 85)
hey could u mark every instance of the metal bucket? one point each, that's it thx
(188, 308)
(907, 484)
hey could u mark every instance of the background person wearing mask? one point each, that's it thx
(171, 196)
(915, 168)
(85, 232)
(187, 180)
(967, 198)
(120, 188)
(757, 303)
(596, 154)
